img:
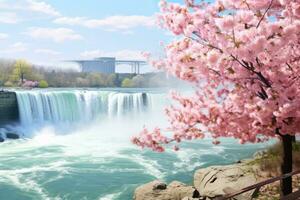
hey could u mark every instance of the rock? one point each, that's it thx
(12, 136)
(1, 139)
(160, 186)
(259, 154)
(220, 180)
(196, 194)
(190, 198)
(174, 191)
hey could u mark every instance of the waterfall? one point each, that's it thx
(40, 106)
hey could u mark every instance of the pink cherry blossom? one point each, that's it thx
(243, 58)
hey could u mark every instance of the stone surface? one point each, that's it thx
(9, 111)
(174, 191)
(1, 139)
(12, 136)
(220, 180)
(190, 198)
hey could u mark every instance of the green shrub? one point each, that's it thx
(127, 83)
(43, 84)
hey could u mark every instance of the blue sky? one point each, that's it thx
(49, 31)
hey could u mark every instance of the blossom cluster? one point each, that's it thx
(243, 56)
(29, 84)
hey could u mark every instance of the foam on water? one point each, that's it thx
(90, 156)
(110, 196)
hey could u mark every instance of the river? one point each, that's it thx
(76, 145)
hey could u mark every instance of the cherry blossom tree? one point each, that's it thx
(243, 58)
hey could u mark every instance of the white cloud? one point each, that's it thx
(19, 10)
(3, 36)
(70, 20)
(49, 52)
(122, 54)
(8, 18)
(15, 48)
(55, 34)
(41, 7)
(112, 23)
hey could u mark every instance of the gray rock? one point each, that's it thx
(12, 136)
(174, 191)
(221, 180)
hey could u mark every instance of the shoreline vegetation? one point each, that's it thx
(20, 73)
(216, 181)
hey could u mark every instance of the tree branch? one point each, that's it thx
(264, 14)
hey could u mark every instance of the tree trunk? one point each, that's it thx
(287, 164)
(22, 78)
(293, 138)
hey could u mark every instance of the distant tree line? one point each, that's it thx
(20, 73)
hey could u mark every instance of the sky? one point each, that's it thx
(47, 32)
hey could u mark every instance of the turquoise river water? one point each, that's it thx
(76, 145)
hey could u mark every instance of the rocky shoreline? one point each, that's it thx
(8, 134)
(209, 183)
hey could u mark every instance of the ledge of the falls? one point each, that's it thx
(8, 107)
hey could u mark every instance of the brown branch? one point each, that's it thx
(290, 67)
(247, 5)
(218, 73)
(263, 79)
(263, 91)
(247, 65)
(264, 14)
(236, 59)
(207, 43)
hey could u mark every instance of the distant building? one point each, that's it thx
(107, 65)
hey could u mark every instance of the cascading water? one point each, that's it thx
(78, 106)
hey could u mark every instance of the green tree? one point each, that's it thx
(127, 83)
(6, 67)
(43, 84)
(139, 81)
(96, 79)
(22, 70)
(111, 80)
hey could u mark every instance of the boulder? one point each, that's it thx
(217, 181)
(157, 190)
(12, 136)
(1, 139)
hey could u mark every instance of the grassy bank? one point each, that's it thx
(269, 163)
(271, 159)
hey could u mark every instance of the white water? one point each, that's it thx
(92, 157)
(79, 105)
